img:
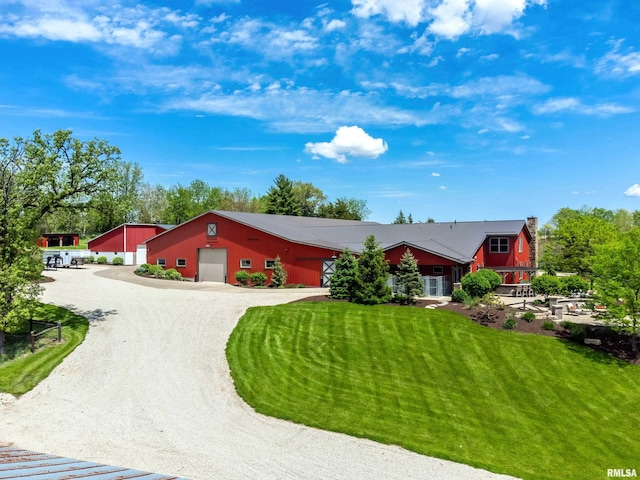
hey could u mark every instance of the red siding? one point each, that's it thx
(113, 240)
(426, 260)
(303, 263)
(513, 258)
(54, 239)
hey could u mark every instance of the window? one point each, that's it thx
(245, 263)
(161, 261)
(499, 245)
(438, 270)
(519, 244)
(212, 229)
(181, 262)
(269, 264)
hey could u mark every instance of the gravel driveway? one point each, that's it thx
(150, 389)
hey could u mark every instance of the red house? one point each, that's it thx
(125, 241)
(217, 244)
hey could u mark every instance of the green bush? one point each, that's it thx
(509, 324)
(492, 300)
(545, 285)
(258, 279)
(156, 270)
(242, 277)
(144, 268)
(117, 261)
(172, 274)
(480, 283)
(573, 285)
(101, 260)
(279, 276)
(549, 326)
(529, 316)
(459, 296)
(89, 259)
(575, 331)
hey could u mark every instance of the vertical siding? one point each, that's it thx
(111, 241)
(302, 263)
(513, 258)
(426, 261)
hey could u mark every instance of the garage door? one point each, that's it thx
(212, 265)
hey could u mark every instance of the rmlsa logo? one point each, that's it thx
(622, 472)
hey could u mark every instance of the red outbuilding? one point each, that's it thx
(125, 241)
(59, 240)
(217, 244)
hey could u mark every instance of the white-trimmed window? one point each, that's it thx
(181, 262)
(269, 264)
(520, 247)
(161, 261)
(438, 270)
(499, 245)
(245, 263)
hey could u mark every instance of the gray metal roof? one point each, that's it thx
(17, 463)
(458, 241)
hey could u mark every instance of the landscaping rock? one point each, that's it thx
(592, 341)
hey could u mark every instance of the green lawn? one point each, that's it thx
(20, 375)
(438, 384)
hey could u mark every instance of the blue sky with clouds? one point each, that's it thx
(450, 109)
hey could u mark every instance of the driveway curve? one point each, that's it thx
(150, 389)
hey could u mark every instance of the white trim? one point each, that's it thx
(245, 263)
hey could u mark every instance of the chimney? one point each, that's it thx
(532, 225)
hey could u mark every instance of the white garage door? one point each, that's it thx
(212, 264)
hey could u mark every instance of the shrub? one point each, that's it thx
(156, 270)
(575, 331)
(89, 259)
(509, 324)
(172, 274)
(480, 283)
(545, 285)
(459, 296)
(101, 260)
(528, 316)
(471, 302)
(279, 276)
(258, 278)
(242, 277)
(492, 300)
(144, 268)
(573, 285)
(117, 261)
(549, 326)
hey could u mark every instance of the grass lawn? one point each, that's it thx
(21, 374)
(436, 383)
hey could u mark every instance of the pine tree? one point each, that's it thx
(400, 219)
(281, 199)
(279, 277)
(409, 282)
(373, 272)
(343, 281)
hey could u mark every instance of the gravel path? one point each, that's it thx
(150, 389)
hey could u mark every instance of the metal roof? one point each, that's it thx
(23, 464)
(457, 241)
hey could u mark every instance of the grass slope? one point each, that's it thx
(438, 384)
(22, 374)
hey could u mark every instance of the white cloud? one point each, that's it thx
(335, 25)
(352, 141)
(615, 63)
(408, 11)
(434, 174)
(453, 18)
(633, 190)
(572, 104)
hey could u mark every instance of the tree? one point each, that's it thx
(576, 234)
(344, 279)
(39, 176)
(616, 270)
(281, 199)
(152, 204)
(373, 272)
(409, 283)
(345, 209)
(279, 277)
(480, 283)
(400, 219)
(546, 285)
(310, 198)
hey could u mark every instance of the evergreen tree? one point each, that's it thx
(343, 281)
(373, 271)
(409, 282)
(400, 219)
(410, 219)
(279, 277)
(281, 199)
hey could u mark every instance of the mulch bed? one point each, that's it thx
(615, 344)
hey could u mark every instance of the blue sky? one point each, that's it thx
(449, 109)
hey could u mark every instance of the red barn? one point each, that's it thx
(216, 245)
(124, 241)
(59, 240)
